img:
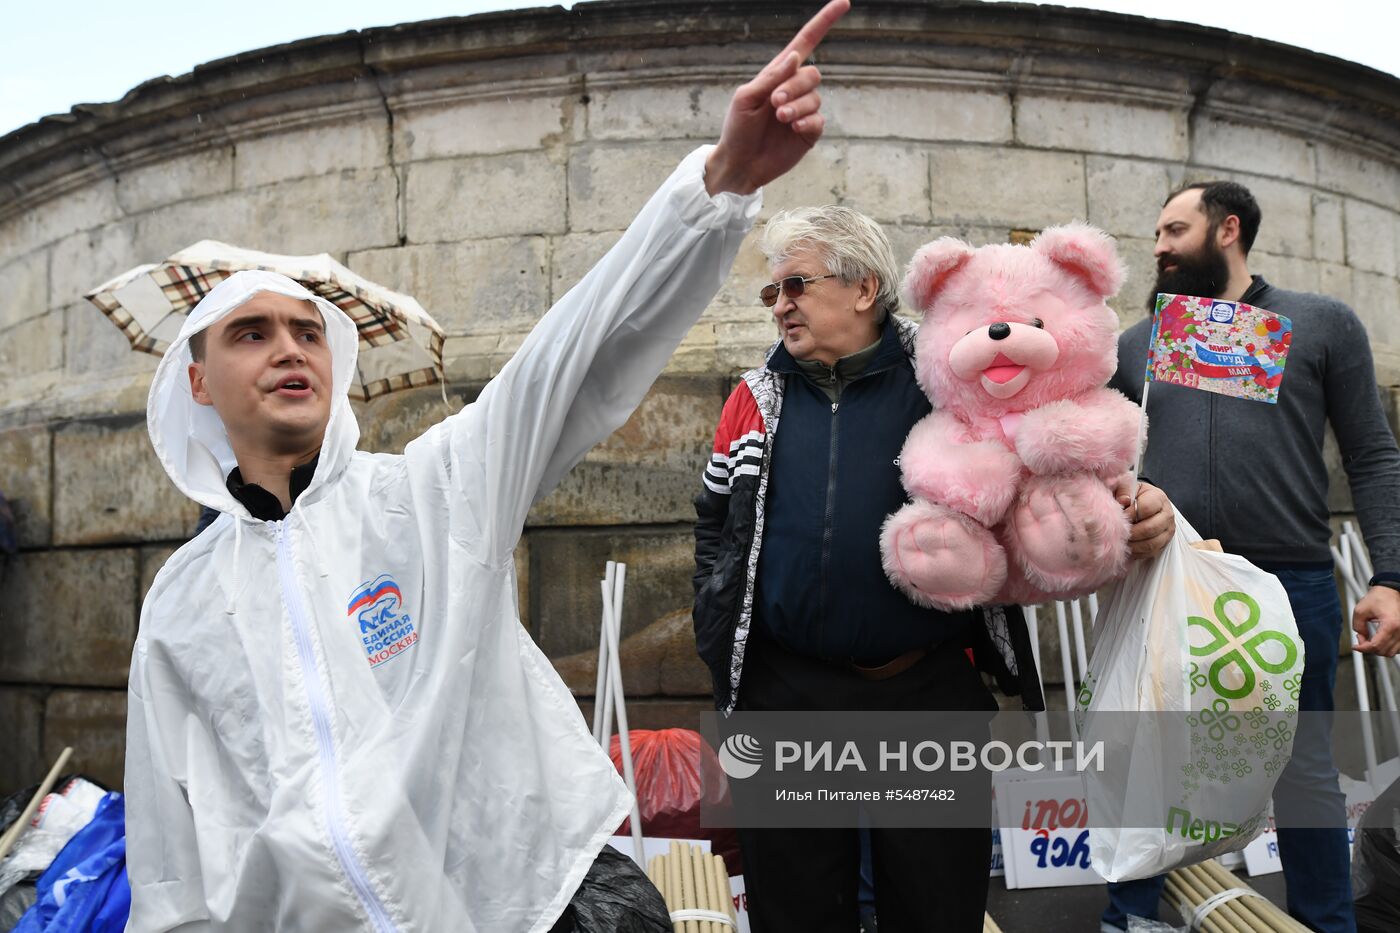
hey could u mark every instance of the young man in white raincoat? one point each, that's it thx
(336, 721)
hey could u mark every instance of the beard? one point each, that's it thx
(1203, 274)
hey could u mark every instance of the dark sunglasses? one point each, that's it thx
(793, 286)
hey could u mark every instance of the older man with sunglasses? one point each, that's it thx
(793, 610)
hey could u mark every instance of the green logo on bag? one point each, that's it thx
(1219, 719)
(1229, 638)
(1086, 692)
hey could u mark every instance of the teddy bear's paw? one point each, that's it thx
(1067, 533)
(940, 558)
(977, 479)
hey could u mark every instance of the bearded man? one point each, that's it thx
(1254, 476)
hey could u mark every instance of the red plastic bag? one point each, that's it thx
(666, 764)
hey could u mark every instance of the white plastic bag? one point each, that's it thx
(1209, 639)
(59, 817)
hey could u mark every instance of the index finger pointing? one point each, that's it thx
(811, 35)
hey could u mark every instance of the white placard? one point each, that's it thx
(1386, 773)
(741, 901)
(1261, 855)
(1044, 831)
(998, 867)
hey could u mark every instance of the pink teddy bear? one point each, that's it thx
(1012, 473)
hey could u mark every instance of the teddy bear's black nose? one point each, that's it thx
(999, 331)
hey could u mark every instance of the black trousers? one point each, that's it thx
(807, 879)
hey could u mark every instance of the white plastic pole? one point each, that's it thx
(607, 660)
(1367, 571)
(1067, 668)
(1033, 626)
(1042, 725)
(1077, 616)
(1142, 429)
(619, 697)
(1361, 563)
(1363, 560)
(1392, 715)
(600, 695)
(610, 620)
(1368, 740)
(1093, 609)
(1361, 576)
(1342, 559)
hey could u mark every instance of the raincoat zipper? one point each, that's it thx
(325, 742)
(830, 511)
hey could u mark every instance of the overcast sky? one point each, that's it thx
(58, 53)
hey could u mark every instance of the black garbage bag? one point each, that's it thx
(1375, 865)
(14, 903)
(616, 896)
(12, 806)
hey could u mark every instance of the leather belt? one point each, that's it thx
(891, 668)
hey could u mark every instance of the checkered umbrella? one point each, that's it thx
(400, 344)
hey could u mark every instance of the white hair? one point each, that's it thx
(850, 243)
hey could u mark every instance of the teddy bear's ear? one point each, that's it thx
(1086, 253)
(930, 268)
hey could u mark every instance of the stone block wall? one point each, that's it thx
(484, 164)
(89, 498)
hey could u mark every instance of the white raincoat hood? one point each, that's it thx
(189, 438)
(336, 721)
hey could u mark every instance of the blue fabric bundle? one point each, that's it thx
(85, 889)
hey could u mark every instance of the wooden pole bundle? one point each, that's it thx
(1193, 885)
(693, 882)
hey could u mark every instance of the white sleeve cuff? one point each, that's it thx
(700, 209)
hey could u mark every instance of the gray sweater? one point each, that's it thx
(1252, 474)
